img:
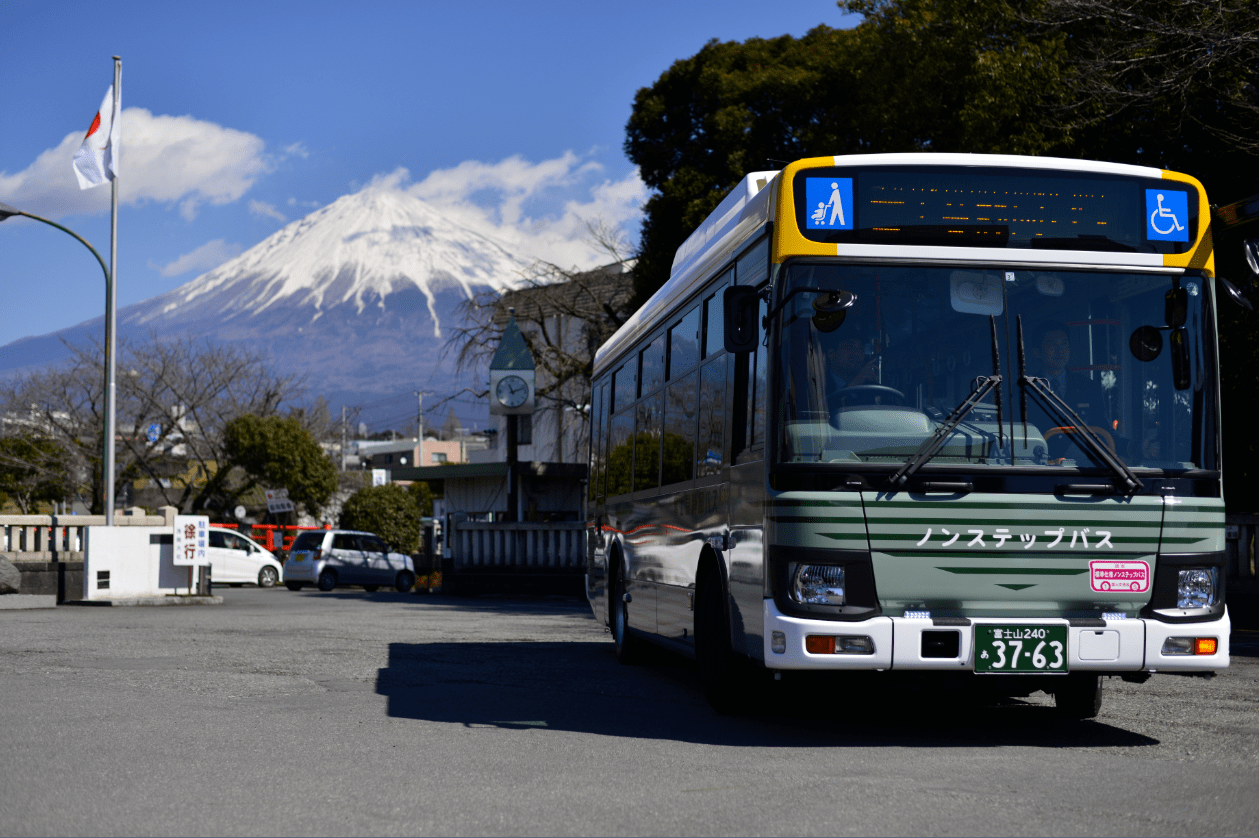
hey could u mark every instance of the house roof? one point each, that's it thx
(558, 471)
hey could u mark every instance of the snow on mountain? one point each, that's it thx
(358, 296)
(357, 251)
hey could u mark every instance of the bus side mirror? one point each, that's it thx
(1251, 247)
(739, 306)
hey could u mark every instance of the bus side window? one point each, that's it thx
(684, 345)
(712, 417)
(758, 384)
(753, 266)
(748, 427)
(625, 386)
(714, 322)
(647, 442)
(653, 366)
(597, 422)
(621, 454)
(679, 430)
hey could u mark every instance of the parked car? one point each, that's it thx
(328, 558)
(237, 560)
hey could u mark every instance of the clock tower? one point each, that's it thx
(512, 374)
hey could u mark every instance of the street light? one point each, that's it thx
(7, 211)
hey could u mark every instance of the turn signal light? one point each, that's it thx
(823, 644)
(817, 644)
(1190, 646)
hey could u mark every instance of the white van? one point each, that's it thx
(238, 560)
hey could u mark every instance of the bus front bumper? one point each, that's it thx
(882, 643)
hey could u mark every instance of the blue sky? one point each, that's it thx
(248, 115)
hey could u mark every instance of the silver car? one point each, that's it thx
(328, 558)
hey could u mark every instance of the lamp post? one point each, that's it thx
(7, 211)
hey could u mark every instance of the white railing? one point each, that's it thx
(518, 546)
(45, 538)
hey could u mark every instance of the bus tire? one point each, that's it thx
(628, 647)
(1079, 696)
(720, 672)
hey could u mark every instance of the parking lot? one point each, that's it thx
(357, 714)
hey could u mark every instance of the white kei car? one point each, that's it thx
(237, 560)
(328, 558)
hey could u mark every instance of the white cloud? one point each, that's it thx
(540, 208)
(206, 257)
(266, 210)
(297, 149)
(167, 159)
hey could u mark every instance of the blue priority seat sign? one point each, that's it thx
(829, 201)
(1166, 215)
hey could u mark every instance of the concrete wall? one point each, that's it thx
(129, 562)
(48, 549)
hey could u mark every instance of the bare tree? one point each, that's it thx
(1185, 65)
(564, 316)
(174, 397)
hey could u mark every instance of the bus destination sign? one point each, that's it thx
(995, 207)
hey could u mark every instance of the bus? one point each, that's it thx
(930, 413)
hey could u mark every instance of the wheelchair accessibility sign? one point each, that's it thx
(829, 203)
(1166, 215)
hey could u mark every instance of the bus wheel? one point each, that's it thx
(720, 673)
(628, 647)
(1080, 696)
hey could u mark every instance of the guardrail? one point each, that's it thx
(53, 538)
(525, 546)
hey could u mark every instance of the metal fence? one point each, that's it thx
(479, 545)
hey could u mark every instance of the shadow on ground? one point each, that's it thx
(580, 687)
(488, 604)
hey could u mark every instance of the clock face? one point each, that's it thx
(512, 391)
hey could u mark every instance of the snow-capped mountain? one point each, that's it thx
(359, 296)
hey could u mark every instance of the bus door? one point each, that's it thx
(745, 565)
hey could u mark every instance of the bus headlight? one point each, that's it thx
(817, 584)
(1197, 587)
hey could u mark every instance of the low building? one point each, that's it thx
(407, 453)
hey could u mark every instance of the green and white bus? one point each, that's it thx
(933, 412)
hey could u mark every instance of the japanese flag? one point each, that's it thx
(96, 161)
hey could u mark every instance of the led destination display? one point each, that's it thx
(993, 207)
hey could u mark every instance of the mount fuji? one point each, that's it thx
(359, 296)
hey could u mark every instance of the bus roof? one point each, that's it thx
(749, 206)
(744, 211)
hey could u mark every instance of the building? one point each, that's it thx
(407, 453)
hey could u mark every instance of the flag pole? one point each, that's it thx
(111, 298)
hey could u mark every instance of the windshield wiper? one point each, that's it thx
(1040, 387)
(932, 445)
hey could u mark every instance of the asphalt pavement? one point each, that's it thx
(350, 713)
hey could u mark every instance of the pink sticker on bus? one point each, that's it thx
(1121, 576)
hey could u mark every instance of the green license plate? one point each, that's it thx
(1037, 649)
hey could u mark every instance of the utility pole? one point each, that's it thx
(419, 426)
(344, 433)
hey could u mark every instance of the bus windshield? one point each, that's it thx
(869, 376)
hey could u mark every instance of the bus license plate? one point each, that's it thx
(1037, 649)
